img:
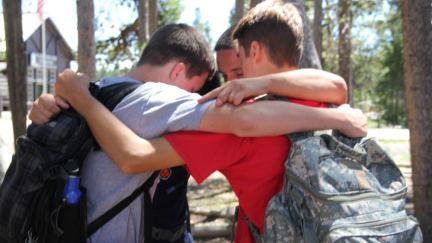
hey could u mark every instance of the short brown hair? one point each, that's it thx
(225, 41)
(276, 25)
(181, 42)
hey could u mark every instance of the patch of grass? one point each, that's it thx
(399, 150)
(373, 123)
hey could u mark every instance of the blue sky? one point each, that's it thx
(63, 13)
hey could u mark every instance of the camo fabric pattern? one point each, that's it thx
(338, 189)
(278, 222)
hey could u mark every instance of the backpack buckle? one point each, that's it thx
(72, 167)
(54, 172)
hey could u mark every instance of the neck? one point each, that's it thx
(284, 69)
(148, 72)
(271, 68)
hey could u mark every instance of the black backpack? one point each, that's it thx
(32, 204)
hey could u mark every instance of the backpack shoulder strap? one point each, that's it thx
(253, 229)
(111, 95)
(108, 215)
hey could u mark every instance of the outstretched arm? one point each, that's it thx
(269, 118)
(130, 152)
(262, 118)
(258, 119)
(307, 84)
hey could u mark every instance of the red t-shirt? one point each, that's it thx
(253, 166)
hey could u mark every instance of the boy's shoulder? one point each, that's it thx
(155, 90)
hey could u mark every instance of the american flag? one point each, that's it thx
(39, 10)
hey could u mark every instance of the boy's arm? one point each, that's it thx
(307, 84)
(262, 118)
(269, 118)
(129, 150)
(46, 107)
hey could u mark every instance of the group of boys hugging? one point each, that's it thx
(164, 124)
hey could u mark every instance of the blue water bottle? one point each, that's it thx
(72, 194)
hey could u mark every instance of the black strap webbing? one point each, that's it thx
(111, 95)
(253, 229)
(108, 215)
(148, 225)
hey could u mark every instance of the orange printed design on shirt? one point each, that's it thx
(165, 174)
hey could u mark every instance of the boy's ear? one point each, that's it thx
(256, 51)
(177, 70)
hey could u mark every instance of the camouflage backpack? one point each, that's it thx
(339, 190)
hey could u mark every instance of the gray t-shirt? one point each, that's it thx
(151, 110)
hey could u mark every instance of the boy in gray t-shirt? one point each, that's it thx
(149, 114)
(176, 54)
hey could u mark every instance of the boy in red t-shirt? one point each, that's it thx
(253, 166)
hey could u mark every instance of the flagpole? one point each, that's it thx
(44, 71)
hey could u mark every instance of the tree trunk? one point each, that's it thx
(417, 51)
(317, 27)
(344, 46)
(143, 31)
(86, 39)
(329, 43)
(253, 3)
(152, 16)
(16, 65)
(5, 158)
(239, 10)
(310, 57)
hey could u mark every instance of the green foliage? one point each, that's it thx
(169, 11)
(366, 69)
(2, 56)
(365, 6)
(376, 57)
(232, 17)
(109, 72)
(390, 87)
(204, 28)
(232, 11)
(330, 36)
(115, 50)
(309, 7)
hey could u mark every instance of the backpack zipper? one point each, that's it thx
(376, 223)
(357, 196)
